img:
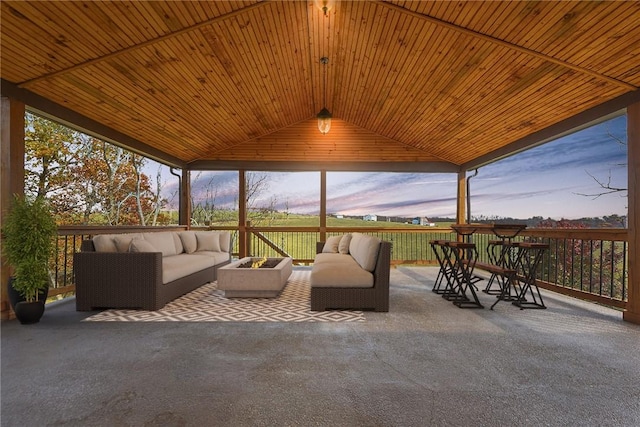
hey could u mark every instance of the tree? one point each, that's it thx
(605, 184)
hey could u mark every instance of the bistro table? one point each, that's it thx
(513, 265)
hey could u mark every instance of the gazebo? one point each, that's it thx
(408, 86)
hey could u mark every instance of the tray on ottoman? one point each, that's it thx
(238, 281)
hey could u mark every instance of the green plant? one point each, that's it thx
(29, 241)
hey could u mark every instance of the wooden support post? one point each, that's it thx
(632, 313)
(11, 178)
(242, 213)
(185, 199)
(323, 206)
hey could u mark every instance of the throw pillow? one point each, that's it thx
(364, 249)
(141, 245)
(331, 245)
(343, 246)
(162, 241)
(189, 241)
(225, 241)
(123, 241)
(104, 243)
(208, 241)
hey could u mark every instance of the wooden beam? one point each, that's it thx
(185, 198)
(513, 46)
(11, 178)
(632, 314)
(432, 167)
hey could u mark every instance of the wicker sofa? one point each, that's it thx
(146, 270)
(351, 272)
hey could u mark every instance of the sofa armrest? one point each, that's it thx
(117, 280)
(319, 247)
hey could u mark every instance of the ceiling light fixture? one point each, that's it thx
(324, 116)
(325, 5)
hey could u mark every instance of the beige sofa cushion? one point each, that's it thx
(225, 241)
(343, 246)
(339, 271)
(123, 241)
(189, 242)
(364, 249)
(163, 241)
(104, 243)
(141, 245)
(178, 266)
(208, 241)
(331, 245)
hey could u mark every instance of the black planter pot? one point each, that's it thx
(29, 312)
(15, 297)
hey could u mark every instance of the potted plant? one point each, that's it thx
(29, 231)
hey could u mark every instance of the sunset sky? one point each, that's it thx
(544, 181)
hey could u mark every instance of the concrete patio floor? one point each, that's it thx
(425, 363)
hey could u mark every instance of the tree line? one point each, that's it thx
(87, 180)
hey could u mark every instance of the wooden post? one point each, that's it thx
(632, 313)
(185, 199)
(11, 178)
(242, 214)
(461, 208)
(323, 206)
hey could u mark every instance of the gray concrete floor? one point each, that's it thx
(424, 363)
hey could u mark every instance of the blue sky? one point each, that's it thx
(543, 181)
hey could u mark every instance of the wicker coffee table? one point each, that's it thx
(237, 282)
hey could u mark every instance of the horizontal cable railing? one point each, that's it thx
(585, 263)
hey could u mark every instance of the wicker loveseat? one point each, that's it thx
(146, 270)
(351, 272)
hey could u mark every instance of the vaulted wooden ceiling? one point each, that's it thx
(429, 82)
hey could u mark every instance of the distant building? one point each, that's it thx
(370, 217)
(423, 221)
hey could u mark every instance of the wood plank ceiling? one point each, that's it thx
(407, 81)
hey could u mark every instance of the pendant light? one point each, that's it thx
(324, 116)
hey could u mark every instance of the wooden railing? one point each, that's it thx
(585, 263)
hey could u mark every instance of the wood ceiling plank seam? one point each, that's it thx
(407, 96)
(188, 110)
(424, 78)
(525, 50)
(257, 83)
(220, 95)
(619, 65)
(354, 64)
(45, 53)
(553, 99)
(215, 92)
(236, 69)
(141, 102)
(367, 45)
(226, 86)
(340, 58)
(489, 18)
(398, 89)
(447, 69)
(123, 19)
(455, 106)
(12, 70)
(536, 23)
(27, 83)
(154, 27)
(303, 84)
(383, 74)
(287, 77)
(565, 30)
(168, 13)
(94, 31)
(473, 119)
(114, 111)
(315, 52)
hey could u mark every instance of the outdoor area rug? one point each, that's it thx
(208, 304)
